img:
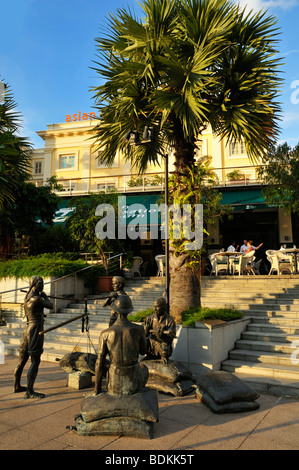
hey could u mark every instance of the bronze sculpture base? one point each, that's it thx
(125, 415)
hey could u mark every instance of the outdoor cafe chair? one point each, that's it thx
(218, 262)
(280, 262)
(245, 264)
(160, 260)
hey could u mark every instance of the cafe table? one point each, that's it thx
(229, 254)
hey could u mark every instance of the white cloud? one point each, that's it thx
(290, 118)
(265, 4)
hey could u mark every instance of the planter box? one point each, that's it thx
(70, 285)
(205, 346)
(105, 284)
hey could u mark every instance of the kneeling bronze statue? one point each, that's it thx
(160, 331)
(164, 375)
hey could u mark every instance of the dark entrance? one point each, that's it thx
(260, 227)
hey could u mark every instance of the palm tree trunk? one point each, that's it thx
(184, 286)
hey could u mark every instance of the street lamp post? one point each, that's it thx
(148, 136)
(166, 235)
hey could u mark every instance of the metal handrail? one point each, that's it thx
(65, 276)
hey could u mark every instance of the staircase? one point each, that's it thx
(68, 338)
(265, 355)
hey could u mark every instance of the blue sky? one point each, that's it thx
(47, 50)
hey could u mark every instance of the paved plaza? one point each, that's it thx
(184, 424)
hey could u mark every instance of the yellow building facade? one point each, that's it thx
(70, 154)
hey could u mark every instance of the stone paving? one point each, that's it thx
(184, 424)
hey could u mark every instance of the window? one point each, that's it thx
(67, 161)
(98, 164)
(236, 149)
(37, 168)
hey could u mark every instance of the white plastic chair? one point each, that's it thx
(160, 260)
(245, 264)
(280, 262)
(136, 265)
(218, 262)
(285, 262)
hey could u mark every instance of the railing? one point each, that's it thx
(115, 264)
(149, 182)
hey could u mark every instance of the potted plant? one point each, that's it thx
(128, 263)
(235, 176)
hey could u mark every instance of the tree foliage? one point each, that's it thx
(82, 225)
(186, 64)
(33, 208)
(281, 177)
(15, 162)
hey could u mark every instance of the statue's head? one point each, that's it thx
(36, 282)
(118, 282)
(160, 306)
(123, 305)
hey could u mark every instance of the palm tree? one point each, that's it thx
(187, 64)
(14, 151)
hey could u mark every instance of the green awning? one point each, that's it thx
(251, 199)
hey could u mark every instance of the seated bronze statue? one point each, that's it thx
(123, 342)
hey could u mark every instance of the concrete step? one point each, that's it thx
(258, 298)
(257, 356)
(241, 305)
(252, 368)
(268, 328)
(270, 314)
(273, 337)
(263, 346)
(274, 386)
(278, 321)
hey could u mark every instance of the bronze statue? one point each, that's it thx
(118, 284)
(123, 341)
(32, 342)
(160, 330)
(128, 408)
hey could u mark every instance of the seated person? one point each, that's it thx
(233, 247)
(250, 247)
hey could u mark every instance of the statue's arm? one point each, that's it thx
(46, 302)
(142, 344)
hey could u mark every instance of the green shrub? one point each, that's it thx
(140, 316)
(53, 264)
(191, 315)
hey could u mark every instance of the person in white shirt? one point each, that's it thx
(244, 246)
(233, 247)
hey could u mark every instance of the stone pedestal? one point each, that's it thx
(125, 415)
(79, 380)
(172, 378)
